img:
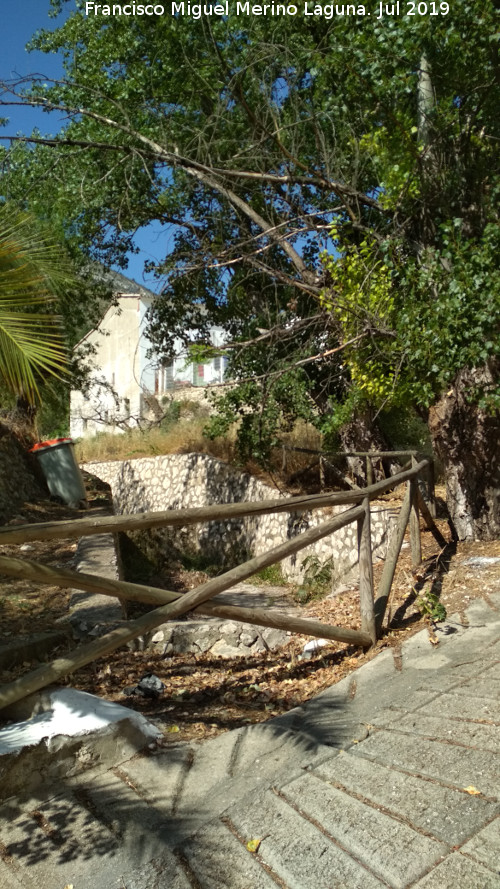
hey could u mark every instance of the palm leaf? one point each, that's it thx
(33, 272)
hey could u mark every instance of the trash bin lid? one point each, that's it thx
(51, 443)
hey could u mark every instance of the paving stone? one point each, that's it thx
(485, 846)
(160, 775)
(464, 706)
(471, 734)
(493, 671)
(448, 763)
(141, 828)
(326, 721)
(451, 816)
(439, 679)
(52, 845)
(393, 850)
(417, 698)
(220, 861)
(298, 853)
(259, 756)
(485, 686)
(211, 765)
(9, 880)
(159, 873)
(266, 751)
(459, 872)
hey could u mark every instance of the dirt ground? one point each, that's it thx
(203, 695)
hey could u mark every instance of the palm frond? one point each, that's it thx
(33, 272)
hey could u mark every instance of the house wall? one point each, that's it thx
(119, 364)
(179, 481)
(125, 380)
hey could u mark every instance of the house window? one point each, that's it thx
(168, 372)
(198, 374)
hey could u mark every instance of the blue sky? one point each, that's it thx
(18, 24)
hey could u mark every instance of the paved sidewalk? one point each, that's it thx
(388, 779)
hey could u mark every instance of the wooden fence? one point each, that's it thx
(172, 605)
(329, 458)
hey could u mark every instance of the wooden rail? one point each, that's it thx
(426, 485)
(83, 655)
(196, 515)
(172, 605)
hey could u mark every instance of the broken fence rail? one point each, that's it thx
(371, 613)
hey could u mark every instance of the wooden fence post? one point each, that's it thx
(428, 484)
(366, 573)
(41, 677)
(194, 516)
(391, 559)
(369, 472)
(416, 543)
(321, 473)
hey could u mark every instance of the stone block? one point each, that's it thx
(485, 847)
(301, 856)
(459, 872)
(393, 850)
(222, 649)
(273, 638)
(449, 815)
(248, 638)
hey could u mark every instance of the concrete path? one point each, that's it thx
(388, 779)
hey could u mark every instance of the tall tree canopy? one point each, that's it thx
(261, 142)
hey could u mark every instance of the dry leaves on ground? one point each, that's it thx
(205, 695)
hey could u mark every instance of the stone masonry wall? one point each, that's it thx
(188, 480)
(18, 482)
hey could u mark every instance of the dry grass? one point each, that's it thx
(187, 436)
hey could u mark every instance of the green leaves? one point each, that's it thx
(245, 138)
(31, 274)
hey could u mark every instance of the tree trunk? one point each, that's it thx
(363, 434)
(467, 440)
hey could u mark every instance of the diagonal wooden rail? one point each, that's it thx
(41, 677)
(173, 605)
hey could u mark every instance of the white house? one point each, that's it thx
(125, 385)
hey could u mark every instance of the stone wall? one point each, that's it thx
(18, 482)
(188, 480)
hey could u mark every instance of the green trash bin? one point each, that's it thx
(62, 473)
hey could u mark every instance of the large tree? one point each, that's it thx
(249, 138)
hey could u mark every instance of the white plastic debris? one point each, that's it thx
(310, 648)
(70, 713)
